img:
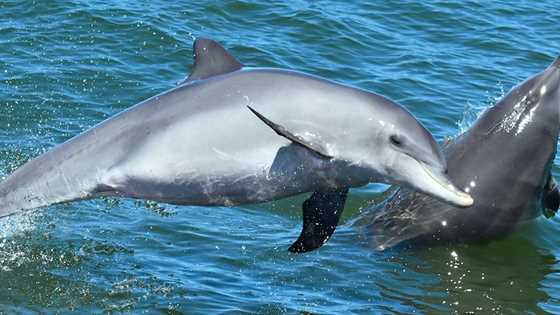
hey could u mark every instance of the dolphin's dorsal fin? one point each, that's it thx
(211, 59)
(282, 131)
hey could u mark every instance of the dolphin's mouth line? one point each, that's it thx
(447, 186)
(430, 173)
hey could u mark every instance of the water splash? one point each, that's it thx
(471, 112)
(19, 224)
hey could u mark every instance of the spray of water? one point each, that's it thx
(471, 112)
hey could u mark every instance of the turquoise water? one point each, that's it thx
(67, 65)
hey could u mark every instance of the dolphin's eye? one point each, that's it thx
(396, 140)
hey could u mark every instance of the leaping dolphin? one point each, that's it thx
(231, 135)
(503, 161)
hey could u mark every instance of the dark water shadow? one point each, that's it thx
(516, 275)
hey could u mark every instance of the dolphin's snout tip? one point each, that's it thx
(458, 197)
(438, 184)
(464, 200)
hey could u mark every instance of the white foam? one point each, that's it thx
(17, 224)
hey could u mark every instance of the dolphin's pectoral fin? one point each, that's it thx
(210, 59)
(321, 213)
(551, 197)
(282, 131)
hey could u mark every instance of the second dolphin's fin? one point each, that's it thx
(321, 213)
(551, 197)
(282, 131)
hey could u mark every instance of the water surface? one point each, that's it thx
(67, 65)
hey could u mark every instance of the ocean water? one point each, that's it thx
(67, 65)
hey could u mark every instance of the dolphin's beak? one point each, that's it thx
(426, 171)
(435, 182)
